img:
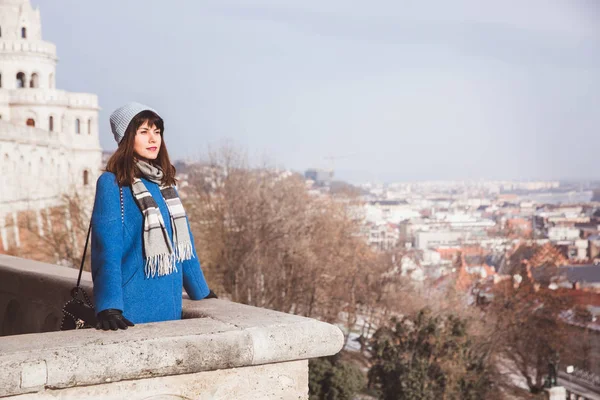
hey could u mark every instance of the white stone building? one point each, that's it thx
(48, 137)
(563, 233)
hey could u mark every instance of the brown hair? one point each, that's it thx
(122, 162)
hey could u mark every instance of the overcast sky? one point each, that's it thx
(391, 89)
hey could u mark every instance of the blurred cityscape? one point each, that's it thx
(356, 255)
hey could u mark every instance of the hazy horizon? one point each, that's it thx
(397, 91)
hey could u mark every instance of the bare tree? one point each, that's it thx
(56, 234)
(271, 243)
(530, 329)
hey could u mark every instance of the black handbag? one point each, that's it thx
(79, 312)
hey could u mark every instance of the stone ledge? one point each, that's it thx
(276, 336)
(215, 334)
(282, 381)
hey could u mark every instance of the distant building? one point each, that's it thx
(519, 227)
(389, 210)
(321, 177)
(582, 277)
(382, 236)
(48, 137)
(106, 154)
(563, 233)
(430, 240)
(594, 251)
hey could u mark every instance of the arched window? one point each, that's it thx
(30, 122)
(21, 80)
(24, 33)
(86, 178)
(77, 126)
(0, 31)
(51, 124)
(51, 81)
(0, 80)
(89, 126)
(34, 82)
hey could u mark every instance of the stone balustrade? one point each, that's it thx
(26, 134)
(52, 97)
(220, 350)
(29, 46)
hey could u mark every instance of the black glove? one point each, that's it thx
(112, 319)
(211, 295)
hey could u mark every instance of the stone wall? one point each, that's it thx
(220, 350)
(272, 381)
(32, 295)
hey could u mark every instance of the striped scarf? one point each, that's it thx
(160, 258)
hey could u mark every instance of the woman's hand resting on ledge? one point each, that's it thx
(112, 319)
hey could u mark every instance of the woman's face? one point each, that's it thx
(147, 142)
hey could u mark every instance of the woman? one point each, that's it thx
(143, 251)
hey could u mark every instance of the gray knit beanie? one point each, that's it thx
(122, 116)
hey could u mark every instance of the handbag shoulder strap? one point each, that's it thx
(122, 207)
(87, 239)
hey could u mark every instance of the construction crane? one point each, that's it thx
(332, 159)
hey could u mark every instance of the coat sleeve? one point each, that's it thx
(107, 244)
(193, 278)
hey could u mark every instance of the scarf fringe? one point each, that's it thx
(184, 251)
(160, 264)
(165, 264)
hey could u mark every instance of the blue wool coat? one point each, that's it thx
(118, 259)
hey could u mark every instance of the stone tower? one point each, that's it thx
(48, 137)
